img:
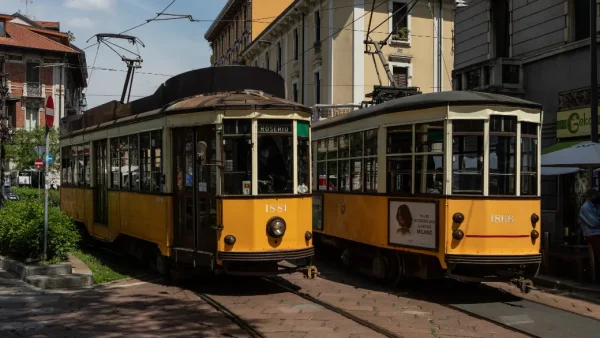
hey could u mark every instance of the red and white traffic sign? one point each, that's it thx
(49, 112)
(39, 163)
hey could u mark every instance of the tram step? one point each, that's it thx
(67, 281)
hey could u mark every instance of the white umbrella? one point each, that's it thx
(582, 155)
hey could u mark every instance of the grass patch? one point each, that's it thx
(102, 272)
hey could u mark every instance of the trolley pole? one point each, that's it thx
(594, 72)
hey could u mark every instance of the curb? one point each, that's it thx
(55, 276)
(556, 284)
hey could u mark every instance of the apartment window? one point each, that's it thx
(2, 28)
(318, 87)
(267, 61)
(279, 56)
(317, 26)
(580, 20)
(400, 76)
(296, 44)
(31, 118)
(501, 22)
(295, 91)
(33, 72)
(399, 20)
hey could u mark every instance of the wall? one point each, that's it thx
(264, 12)
(472, 34)
(537, 26)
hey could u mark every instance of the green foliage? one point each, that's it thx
(401, 34)
(22, 150)
(71, 36)
(31, 195)
(22, 231)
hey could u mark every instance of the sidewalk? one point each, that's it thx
(564, 284)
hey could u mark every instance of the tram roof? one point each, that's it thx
(429, 100)
(203, 89)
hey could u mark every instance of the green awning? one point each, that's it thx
(560, 146)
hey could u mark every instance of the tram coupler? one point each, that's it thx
(310, 272)
(525, 285)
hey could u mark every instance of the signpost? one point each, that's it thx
(47, 159)
(39, 164)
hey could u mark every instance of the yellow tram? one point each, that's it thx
(204, 173)
(432, 185)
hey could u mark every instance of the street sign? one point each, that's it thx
(39, 150)
(49, 158)
(49, 111)
(39, 163)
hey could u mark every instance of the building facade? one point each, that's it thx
(537, 50)
(31, 50)
(318, 48)
(237, 25)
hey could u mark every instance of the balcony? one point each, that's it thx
(500, 75)
(34, 89)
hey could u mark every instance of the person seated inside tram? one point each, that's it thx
(271, 165)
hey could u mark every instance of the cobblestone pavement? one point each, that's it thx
(558, 300)
(405, 315)
(131, 308)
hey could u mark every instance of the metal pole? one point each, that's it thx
(593, 71)
(2, 112)
(46, 194)
(440, 25)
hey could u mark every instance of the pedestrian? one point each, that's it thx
(589, 220)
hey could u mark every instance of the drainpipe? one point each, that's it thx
(440, 27)
(303, 57)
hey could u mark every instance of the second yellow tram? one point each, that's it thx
(432, 185)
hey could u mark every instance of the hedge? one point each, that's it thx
(31, 194)
(22, 231)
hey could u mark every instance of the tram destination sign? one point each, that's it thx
(278, 127)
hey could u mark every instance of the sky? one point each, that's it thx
(171, 47)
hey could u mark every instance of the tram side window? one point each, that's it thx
(124, 155)
(322, 165)
(429, 158)
(399, 160)
(529, 157)
(134, 164)
(503, 135)
(77, 166)
(344, 162)
(315, 178)
(237, 151)
(156, 151)
(370, 151)
(87, 165)
(65, 166)
(145, 162)
(275, 157)
(332, 165)
(115, 163)
(467, 156)
(356, 161)
(302, 131)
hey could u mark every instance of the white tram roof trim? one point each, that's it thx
(430, 100)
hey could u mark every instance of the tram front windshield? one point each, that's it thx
(275, 157)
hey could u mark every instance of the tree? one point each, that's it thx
(71, 36)
(22, 150)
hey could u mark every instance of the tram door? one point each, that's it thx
(195, 188)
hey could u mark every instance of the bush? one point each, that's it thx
(31, 195)
(22, 231)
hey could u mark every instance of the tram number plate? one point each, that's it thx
(275, 207)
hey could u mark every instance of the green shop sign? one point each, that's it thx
(574, 123)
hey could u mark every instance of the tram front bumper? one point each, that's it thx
(266, 256)
(492, 267)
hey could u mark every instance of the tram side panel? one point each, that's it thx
(373, 220)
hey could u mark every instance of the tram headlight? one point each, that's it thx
(308, 236)
(458, 234)
(276, 227)
(534, 219)
(229, 240)
(534, 234)
(458, 218)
